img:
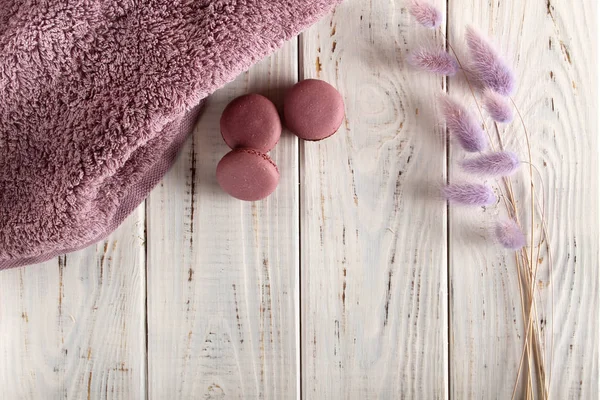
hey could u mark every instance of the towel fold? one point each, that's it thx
(98, 96)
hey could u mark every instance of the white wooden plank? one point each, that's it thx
(223, 290)
(73, 327)
(550, 42)
(374, 263)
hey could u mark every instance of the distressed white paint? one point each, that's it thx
(371, 238)
(73, 327)
(550, 44)
(222, 273)
(374, 299)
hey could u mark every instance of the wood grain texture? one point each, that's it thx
(364, 238)
(374, 263)
(73, 327)
(223, 274)
(549, 42)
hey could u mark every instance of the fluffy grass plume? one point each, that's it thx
(463, 125)
(425, 13)
(497, 106)
(510, 235)
(491, 70)
(437, 61)
(471, 194)
(502, 163)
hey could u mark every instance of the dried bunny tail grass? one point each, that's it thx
(463, 125)
(502, 163)
(491, 70)
(510, 235)
(425, 13)
(470, 194)
(436, 61)
(497, 107)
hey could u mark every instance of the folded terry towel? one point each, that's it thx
(97, 97)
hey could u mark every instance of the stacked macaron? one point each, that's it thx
(251, 127)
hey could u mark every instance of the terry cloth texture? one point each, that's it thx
(98, 96)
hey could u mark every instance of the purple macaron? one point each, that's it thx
(251, 121)
(247, 174)
(313, 109)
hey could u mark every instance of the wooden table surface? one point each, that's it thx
(354, 280)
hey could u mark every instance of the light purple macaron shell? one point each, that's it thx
(251, 121)
(247, 174)
(313, 109)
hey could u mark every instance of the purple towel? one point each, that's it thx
(98, 96)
